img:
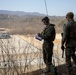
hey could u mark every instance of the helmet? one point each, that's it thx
(70, 15)
(45, 19)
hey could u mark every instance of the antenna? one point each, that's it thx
(46, 7)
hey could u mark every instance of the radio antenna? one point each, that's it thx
(46, 7)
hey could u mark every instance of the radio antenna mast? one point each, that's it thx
(46, 7)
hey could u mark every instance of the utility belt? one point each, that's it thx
(49, 41)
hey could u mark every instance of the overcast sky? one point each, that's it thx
(55, 7)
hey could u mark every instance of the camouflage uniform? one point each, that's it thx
(48, 35)
(69, 36)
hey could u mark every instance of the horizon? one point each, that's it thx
(42, 14)
(29, 12)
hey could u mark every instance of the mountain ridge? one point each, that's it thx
(21, 13)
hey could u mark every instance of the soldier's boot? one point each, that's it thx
(53, 70)
(70, 71)
(47, 69)
(74, 65)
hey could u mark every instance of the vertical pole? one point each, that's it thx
(46, 7)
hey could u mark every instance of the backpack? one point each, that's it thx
(72, 30)
(53, 33)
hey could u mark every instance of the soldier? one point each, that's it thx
(48, 34)
(69, 40)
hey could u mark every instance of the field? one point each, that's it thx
(59, 61)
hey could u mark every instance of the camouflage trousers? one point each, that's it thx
(70, 53)
(47, 52)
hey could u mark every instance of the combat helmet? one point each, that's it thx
(70, 15)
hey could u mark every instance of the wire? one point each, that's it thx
(46, 7)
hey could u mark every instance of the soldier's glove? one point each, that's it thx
(38, 37)
(39, 34)
(62, 47)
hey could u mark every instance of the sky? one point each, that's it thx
(54, 7)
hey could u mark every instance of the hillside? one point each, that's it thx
(30, 23)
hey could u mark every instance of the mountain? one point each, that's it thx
(21, 13)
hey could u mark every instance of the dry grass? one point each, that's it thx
(31, 39)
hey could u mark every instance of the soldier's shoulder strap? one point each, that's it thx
(52, 24)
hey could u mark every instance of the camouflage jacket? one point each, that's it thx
(69, 42)
(48, 34)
